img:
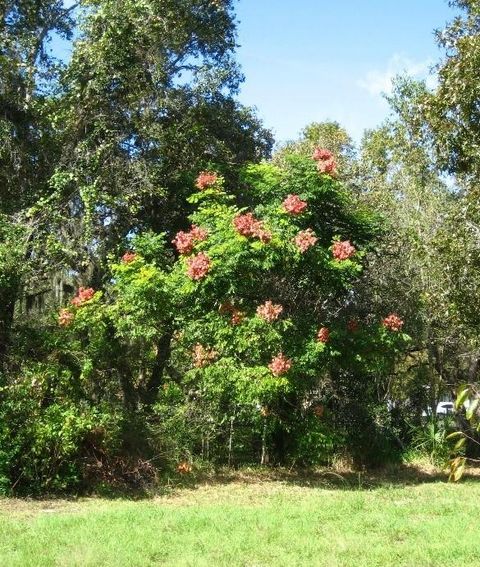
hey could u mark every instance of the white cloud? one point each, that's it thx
(379, 82)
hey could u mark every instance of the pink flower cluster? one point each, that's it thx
(206, 180)
(280, 364)
(343, 250)
(129, 257)
(323, 335)
(325, 161)
(393, 322)
(305, 239)
(293, 205)
(269, 311)
(83, 295)
(247, 225)
(65, 318)
(203, 356)
(198, 266)
(185, 241)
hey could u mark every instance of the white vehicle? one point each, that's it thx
(443, 408)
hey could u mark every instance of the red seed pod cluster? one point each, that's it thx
(280, 364)
(322, 154)
(129, 257)
(305, 239)
(206, 180)
(343, 250)
(198, 266)
(393, 322)
(352, 325)
(269, 311)
(236, 316)
(83, 295)
(185, 241)
(293, 205)
(202, 356)
(247, 225)
(323, 335)
(65, 317)
(325, 161)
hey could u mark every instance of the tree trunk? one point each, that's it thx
(473, 368)
(161, 360)
(264, 457)
(7, 302)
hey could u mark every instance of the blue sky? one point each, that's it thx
(312, 60)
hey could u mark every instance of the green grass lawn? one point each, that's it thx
(354, 522)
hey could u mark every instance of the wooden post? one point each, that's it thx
(264, 457)
(230, 441)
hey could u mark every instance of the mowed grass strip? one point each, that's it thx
(238, 524)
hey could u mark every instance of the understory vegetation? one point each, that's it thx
(178, 294)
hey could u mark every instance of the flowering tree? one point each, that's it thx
(256, 304)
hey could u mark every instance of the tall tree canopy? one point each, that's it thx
(97, 148)
(452, 111)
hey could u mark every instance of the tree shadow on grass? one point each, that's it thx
(396, 476)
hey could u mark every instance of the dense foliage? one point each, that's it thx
(251, 335)
(172, 296)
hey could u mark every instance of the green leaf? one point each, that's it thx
(472, 408)
(462, 395)
(457, 468)
(455, 434)
(457, 475)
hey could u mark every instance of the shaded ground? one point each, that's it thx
(397, 476)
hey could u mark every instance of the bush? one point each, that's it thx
(43, 436)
